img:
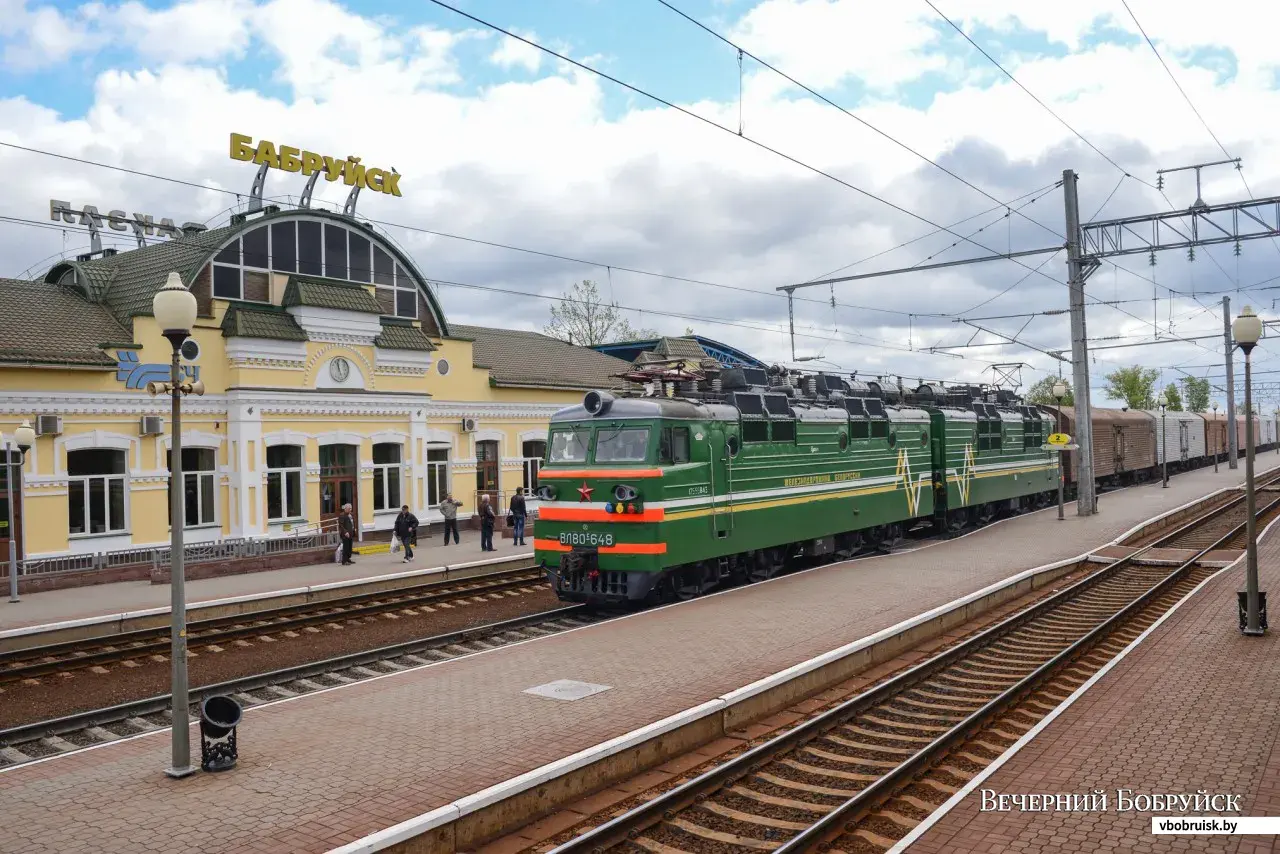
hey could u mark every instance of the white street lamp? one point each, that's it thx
(24, 437)
(1059, 392)
(1163, 401)
(175, 309)
(1246, 330)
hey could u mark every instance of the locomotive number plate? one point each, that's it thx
(585, 539)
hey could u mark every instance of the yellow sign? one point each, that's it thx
(1059, 439)
(291, 159)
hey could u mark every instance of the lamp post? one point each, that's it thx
(174, 308)
(1059, 392)
(1215, 450)
(1163, 401)
(24, 437)
(1246, 330)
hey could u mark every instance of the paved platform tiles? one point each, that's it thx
(1196, 706)
(329, 768)
(53, 606)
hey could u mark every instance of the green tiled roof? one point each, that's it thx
(518, 358)
(261, 321)
(51, 325)
(402, 336)
(329, 293)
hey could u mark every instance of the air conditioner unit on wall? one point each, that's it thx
(468, 425)
(151, 425)
(48, 425)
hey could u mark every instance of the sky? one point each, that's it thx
(691, 211)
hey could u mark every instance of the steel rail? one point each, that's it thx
(31, 662)
(886, 786)
(631, 824)
(160, 703)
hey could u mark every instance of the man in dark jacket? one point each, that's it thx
(347, 530)
(518, 515)
(487, 519)
(405, 528)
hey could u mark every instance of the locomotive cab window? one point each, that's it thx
(622, 445)
(673, 445)
(569, 446)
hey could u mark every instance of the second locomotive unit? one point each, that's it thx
(653, 497)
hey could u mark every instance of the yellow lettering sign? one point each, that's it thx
(290, 159)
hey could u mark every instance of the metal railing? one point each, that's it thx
(501, 501)
(310, 537)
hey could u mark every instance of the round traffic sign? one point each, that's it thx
(1059, 439)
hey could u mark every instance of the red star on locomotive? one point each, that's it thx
(584, 492)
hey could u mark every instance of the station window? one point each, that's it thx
(437, 475)
(96, 491)
(533, 453)
(673, 445)
(199, 494)
(284, 482)
(241, 269)
(386, 476)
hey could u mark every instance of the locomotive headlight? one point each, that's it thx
(624, 492)
(547, 493)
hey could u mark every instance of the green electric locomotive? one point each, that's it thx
(653, 497)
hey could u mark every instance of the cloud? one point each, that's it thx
(513, 52)
(543, 160)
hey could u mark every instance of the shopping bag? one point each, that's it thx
(337, 554)
(395, 544)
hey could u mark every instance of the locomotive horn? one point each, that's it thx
(597, 402)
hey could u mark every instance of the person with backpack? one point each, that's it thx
(406, 529)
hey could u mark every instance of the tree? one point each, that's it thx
(1133, 385)
(1042, 393)
(1197, 394)
(1174, 397)
(583, 318)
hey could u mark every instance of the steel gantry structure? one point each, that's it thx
(1088, 245)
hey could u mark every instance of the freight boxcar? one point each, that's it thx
(1216, 439)
(1180, 437)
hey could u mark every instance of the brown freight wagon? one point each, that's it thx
(1215, 435)
(1124, 444)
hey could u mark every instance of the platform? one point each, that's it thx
(100, 600)
(1194, 706)
(331, 767)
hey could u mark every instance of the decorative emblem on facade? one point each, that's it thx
(135, 374)
(339, 369)
(584, 492)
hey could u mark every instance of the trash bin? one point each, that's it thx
(219, 716)
(1242, 596)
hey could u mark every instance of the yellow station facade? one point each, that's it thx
(331, 375)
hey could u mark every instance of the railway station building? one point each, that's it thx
(331, 375)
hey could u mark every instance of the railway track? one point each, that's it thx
(22, 744)
(41, 661)
(858, 776)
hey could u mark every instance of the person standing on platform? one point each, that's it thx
(487, 519)
(449, 510)
(406, 528)
(347, 530)
(518, 516)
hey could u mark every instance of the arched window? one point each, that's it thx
(96, 491)
(533, 453)
(241, 270)
(386, 476)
